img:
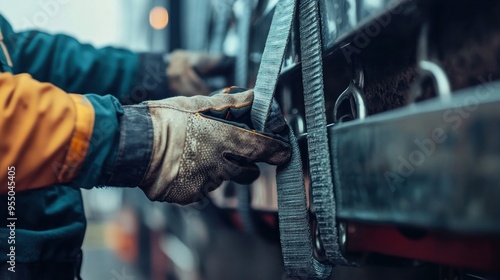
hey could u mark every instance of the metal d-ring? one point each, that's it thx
(353, 93)
(428, 68)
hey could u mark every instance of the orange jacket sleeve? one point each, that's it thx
(44, 132)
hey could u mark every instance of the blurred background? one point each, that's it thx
(128, 237)
(234, 233)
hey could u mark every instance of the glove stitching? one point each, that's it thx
(246, 130)
(166, 106)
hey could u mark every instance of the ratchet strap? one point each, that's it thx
(295, 233)
(317, 136)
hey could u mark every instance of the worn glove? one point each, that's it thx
(184, 69)
(201, 141)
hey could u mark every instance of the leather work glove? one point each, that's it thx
(185, 68)
(201, 141)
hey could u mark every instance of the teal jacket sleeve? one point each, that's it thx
(76, 67)
(121, 146)
(121, 141)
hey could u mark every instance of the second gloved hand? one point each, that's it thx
(184, 70)
(201, 141)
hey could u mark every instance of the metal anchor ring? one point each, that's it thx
(353, 93)
(429, 69)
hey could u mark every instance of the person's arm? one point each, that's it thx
(49, 137)
(129, 76)
(185, 68)
(75, 67)
(175, 149)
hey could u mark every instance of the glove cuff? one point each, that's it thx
(135, 147)
(169, 139)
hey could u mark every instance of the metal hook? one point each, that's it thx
(353, 93)
(429, 69)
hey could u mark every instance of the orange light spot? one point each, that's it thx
(158, 18)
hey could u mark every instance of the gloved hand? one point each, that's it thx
(183, 70)
(201, 141)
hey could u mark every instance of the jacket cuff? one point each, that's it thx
(102, 148)
(152, 80)
(134, 149)
(80, 140)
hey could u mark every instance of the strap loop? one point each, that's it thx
(317, 137)
(295, 233)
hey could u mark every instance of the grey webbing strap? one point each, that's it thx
(317, 137)
(272, 59)
(295, 234)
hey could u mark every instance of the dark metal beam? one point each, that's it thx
(435, 164)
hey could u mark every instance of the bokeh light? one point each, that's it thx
(158, 18)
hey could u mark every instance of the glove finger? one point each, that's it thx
(199, 86)
(199, 104)
(238, 114)
(257, 147)
(247, 176)
(276, 123)
(247, 171)
(208, 63)
(228, 90)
